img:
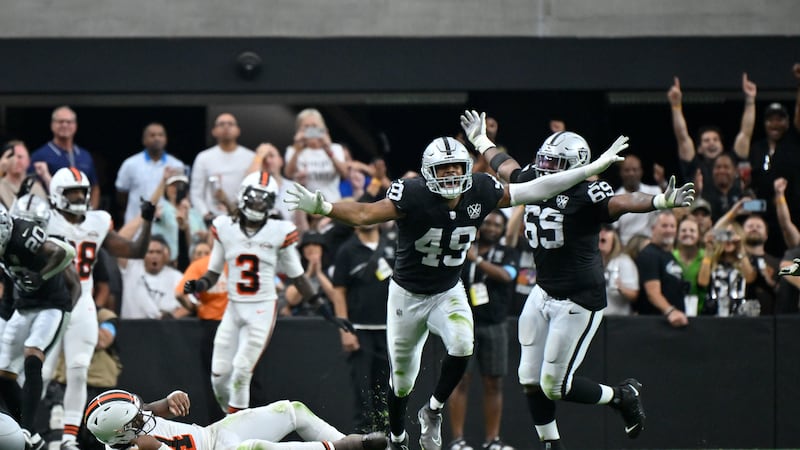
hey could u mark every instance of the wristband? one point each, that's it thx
(780, 200)
(498, 160)
(669, 311)
(706, 259)
(482, 143)
(660, 201)
(326, 208)
(677, 106)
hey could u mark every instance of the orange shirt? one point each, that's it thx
(213, 301)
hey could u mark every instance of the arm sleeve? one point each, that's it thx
(217, 261)
(542, 188)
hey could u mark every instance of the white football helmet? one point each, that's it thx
(33, 208)
(115, 417)
(561, 151)
(446, 150)
(63, 180)
(6, 227)
(257, 195)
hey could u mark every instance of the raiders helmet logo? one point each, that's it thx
(561, 201)
(474, 210)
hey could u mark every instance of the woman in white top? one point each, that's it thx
(622, 278)
(313, 160)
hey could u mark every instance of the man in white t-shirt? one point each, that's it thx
(220, 169)
(629, 225)
(148, 285)
(141, 173)
(313, 160)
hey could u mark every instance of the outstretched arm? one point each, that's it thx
(352, 213)
(638, 202)
(125, 248)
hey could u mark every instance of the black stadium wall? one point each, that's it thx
(335, 65)
(719, 383)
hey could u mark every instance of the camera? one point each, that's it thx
(313, 133)
(723, 235)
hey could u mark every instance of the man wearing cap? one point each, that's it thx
(774, 156)
(701, 211)
(141, 173)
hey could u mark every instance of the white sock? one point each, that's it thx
(607, 394)
(435, 404)
(548, 432)
(400, 438)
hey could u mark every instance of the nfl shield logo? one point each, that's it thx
(474, 210)
(561, 201)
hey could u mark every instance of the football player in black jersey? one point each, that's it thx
(438, 216)
(45, 287)
(564, 310)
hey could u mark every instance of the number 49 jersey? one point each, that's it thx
(433, 240)
(87, 237)
(253, 261)
(563, 232)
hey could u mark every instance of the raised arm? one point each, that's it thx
(796, 72)
(121, 247)
(791, 235)
(686, 150)
(742, 143)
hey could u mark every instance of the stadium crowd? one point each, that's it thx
(721, 256)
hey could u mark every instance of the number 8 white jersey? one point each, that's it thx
(254, 261)
(87, 237)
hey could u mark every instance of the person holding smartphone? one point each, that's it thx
(313, 159)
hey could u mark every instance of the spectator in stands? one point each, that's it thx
(62, 151)
(176, 220)
(208, 306)
(630, 171)
(104, 370)
(791, 234)
(660, 276)
(699, 159)
(725, 269)
(140, 174)
(777, 155)
(701, 211)
(622, 277)
(362, 270)
(766, 265)
(689, 253)
(315, 260)
(218, 171)
(148, 284)
(313, 159)
(15, 172)
(488, 276)
(724, 189)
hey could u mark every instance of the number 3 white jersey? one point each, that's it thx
(254, 261)
(86, 237)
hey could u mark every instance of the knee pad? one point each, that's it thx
(551, 387)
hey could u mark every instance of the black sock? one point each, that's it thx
(397, 413)
(542, 409)
(31, 391)
(453, 368)
(11, 394)
(584, 391)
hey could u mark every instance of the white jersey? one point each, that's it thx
(254, 261)
(177, 435)
(86, 237)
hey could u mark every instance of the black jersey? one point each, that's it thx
(564, 232)
(433, 240)
(23, 255)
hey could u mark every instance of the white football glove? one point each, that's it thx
(608, 157)
(675, 198)
(793, 270)
(474, 126)
(305, 200)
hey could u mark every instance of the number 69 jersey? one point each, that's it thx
(433, 240)
(563, 232)
(87, 237)
(254, 261)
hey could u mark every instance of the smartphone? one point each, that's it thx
(757, 205)
(723, 235)
(313, 133)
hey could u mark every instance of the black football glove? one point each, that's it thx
(148, 210)
(323, 307)
(192, 286)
